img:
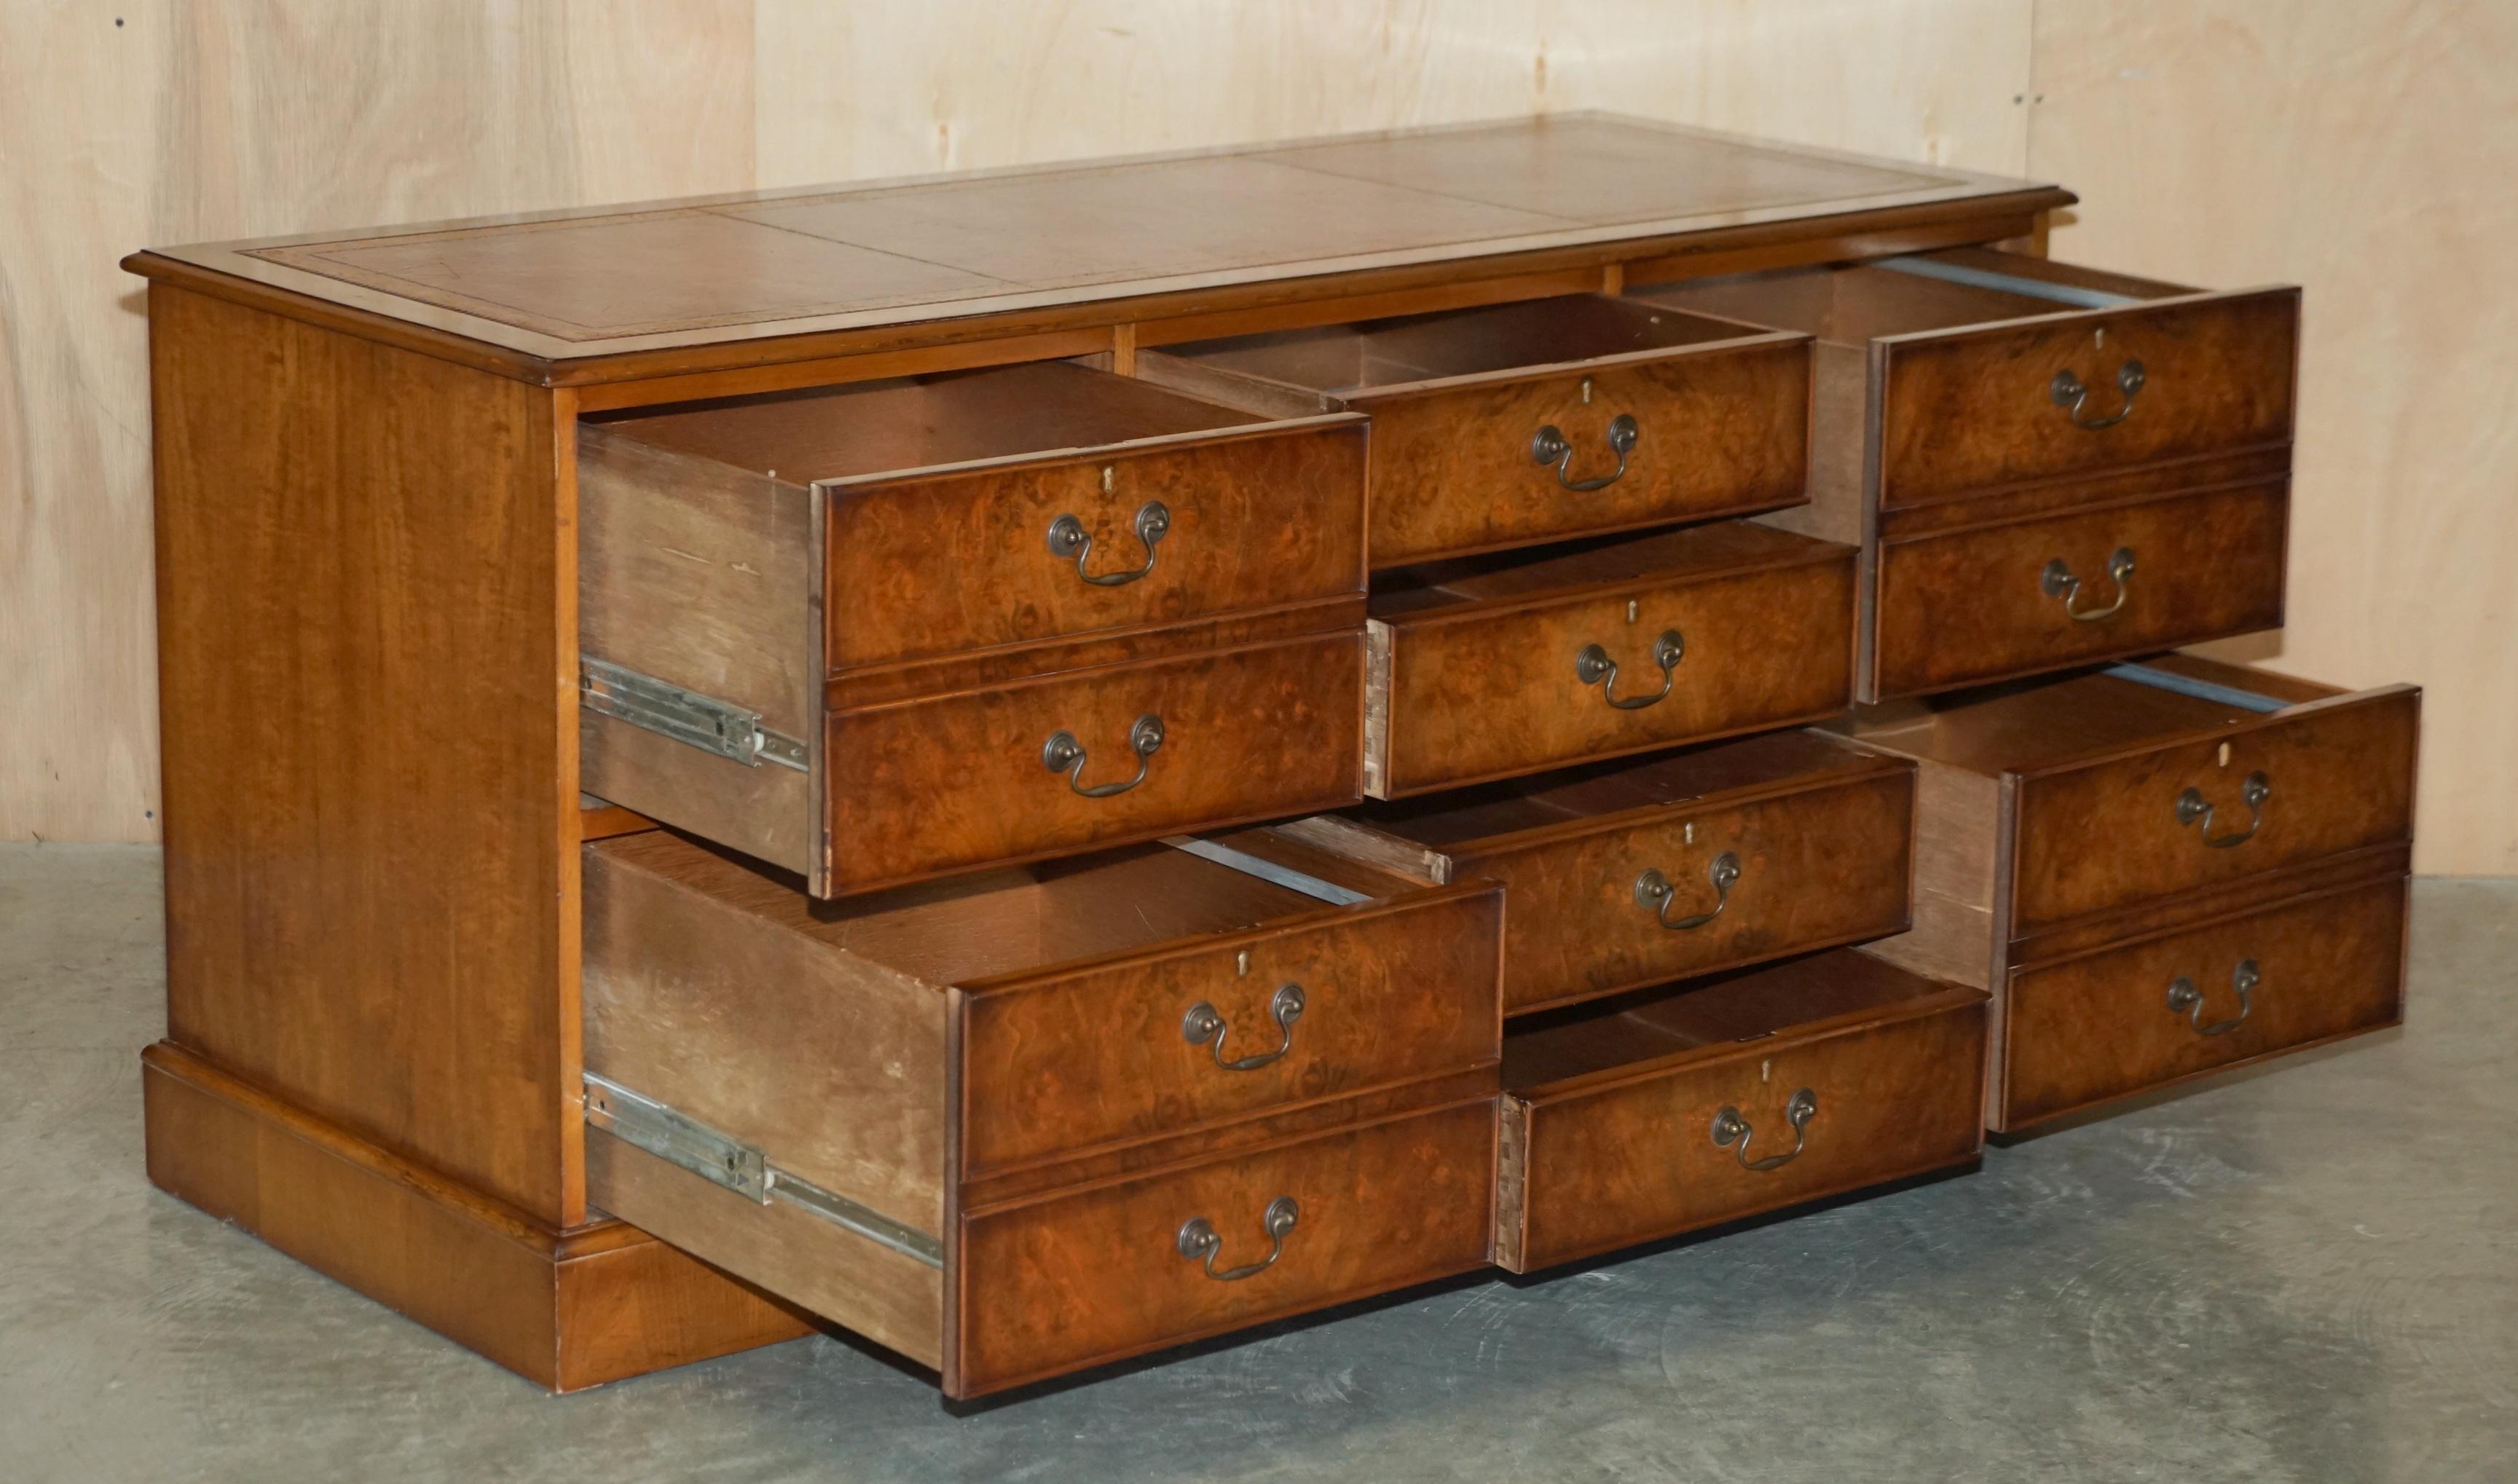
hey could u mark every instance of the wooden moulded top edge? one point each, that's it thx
(858, 281)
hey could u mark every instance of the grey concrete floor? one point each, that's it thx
(2305, 1274)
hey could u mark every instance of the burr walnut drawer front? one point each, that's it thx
(1091, 757)
(856, 1104)
(1959, 606)
(1637, 872)
(1740, 1096)
(1537, 421)
(2049, 464)
(1497, 666)
(2156, 1009)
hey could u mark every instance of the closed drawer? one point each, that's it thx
(2139, 576)
(758, 573)
(1980, 389)
(1537, 421)
(991, 1042)
(2157, 1009)
(1497, 666)
(1099, 756)
(1762, 1090)
(1097, 1274)
(1640, 873)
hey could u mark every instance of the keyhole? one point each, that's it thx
(2225, 754)
(1767, 1070)
(1106, 475)
(1242, 963)
(1687, 833)
(1586, 391)
(1633, 607)
(2103, 337)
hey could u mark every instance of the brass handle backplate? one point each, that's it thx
(1199, 1242)
(1654, 893)
(1205, 1025)
(1062, 753)
(2058, 581)
(1549, 446)
(2068, 392)
(1067, 538)
(1593, 667)
(1730, 1128)
(2194, 809)
(2183, 999)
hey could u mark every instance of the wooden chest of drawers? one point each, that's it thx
(1045, 765)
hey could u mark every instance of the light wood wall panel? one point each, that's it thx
(2226, 140)
(2366, 150)
(146, 121)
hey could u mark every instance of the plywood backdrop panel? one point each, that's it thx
(2364, 149)
(220, 118)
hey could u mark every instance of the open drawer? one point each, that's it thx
(1494, 666)
(1537, 421)
(1635, 873)
(1749, 1093)
(1029, 1121)
(804, 618)
(2061, 826)
(2047, 465)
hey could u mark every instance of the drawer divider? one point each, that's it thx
(717, 1157)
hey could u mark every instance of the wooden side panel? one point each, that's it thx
(1957, 935)
(1972, 607)
(926, 566)
(928, 787)
(1970, 409)
(885, 1295)
(1609, 1167)
(1097, 1274)
(1068, 1061)
(1723, 431)
(1493, 693)
(2099, 1027)
(362, 568)
(1817, 868)
(696, 573)
(2105, 834)
(564, 1310)
(683, 988)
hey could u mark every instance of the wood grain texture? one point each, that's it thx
(2088, 1029)
(1614, 1138)
(680, 981)
(1820, 832)
(365, 872)
(1456, 398)
(1094, 1275)
(926, 566)
(566, 1309)
(2099, 834)
(1483, 680)
(924, 787)
(1063, 1060)
(1971, 607)
(2355, 150)
(1966, 410)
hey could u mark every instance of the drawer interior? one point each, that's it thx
(1572, 794)
(1902, 296)
(1577, 566)
(922, 422)
(2027, 725)
(1657, 1027)
(1343, 359)
(969, 928)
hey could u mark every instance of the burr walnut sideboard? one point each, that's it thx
(1040, 764)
